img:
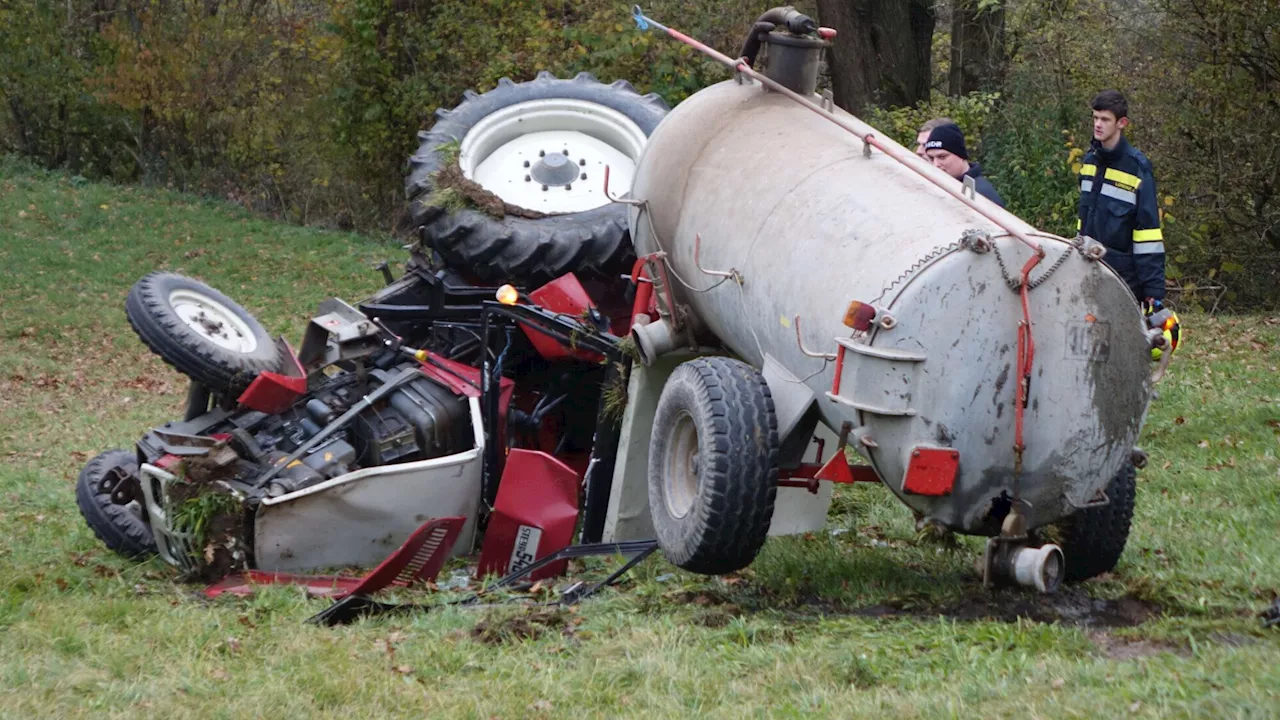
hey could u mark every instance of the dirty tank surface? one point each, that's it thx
(818, 224)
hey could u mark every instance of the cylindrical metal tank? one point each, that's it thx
(790, 203)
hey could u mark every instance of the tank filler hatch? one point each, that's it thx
(793, 45)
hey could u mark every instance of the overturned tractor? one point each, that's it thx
(620, 323)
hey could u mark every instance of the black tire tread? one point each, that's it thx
(146, 308)
(738, 477)
(1093, 539)
(115, 525)
(525, 250)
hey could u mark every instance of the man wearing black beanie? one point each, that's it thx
(945, 149)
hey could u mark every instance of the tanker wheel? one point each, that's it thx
(105, 494)
(713, 465)
(202, 333)
(1093, 539)
(538, 146)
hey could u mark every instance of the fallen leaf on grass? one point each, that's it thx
(1137, 704)
(404, 669)
(219, 674)
(1058, 683)
(1179, 420)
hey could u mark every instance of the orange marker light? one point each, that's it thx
(859, 316)
(507, 295)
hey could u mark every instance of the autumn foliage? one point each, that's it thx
(308, 109)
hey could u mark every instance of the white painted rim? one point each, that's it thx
(494, 152)
(680, 467)
(213, 321)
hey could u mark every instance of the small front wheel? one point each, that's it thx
(199, 331)
(102, 494)
(713, 465)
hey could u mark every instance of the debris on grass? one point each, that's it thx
(499, 628)
(1124, 648)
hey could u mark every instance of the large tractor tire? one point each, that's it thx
(713, 465)
(199, 331)
(509, 185)
(122, 528)
(1093, 539)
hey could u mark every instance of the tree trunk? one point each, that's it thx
(881, 52)
(977, 47)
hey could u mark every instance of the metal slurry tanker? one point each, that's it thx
(860, 287)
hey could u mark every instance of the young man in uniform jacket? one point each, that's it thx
(1118, 202)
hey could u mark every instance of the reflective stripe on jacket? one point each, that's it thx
(1118, 208)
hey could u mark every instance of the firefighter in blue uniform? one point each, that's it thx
(1118, 208)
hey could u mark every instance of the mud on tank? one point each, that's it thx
(769, 226)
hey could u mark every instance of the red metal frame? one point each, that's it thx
(272, 392)
(835, 380)
(836, 469)
(645, 303)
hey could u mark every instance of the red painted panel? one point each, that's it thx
(566, 296)
(533, 516)
(932, 471)
(273, 393)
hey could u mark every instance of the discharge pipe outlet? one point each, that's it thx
(653, 340)
(1040, 568)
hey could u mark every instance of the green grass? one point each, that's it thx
(871, 621)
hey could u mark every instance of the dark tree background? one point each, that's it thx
(881, 54)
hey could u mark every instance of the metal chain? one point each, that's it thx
(1015, 283)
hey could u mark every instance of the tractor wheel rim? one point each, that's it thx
(549, 155)
(681, 467)
(213, 321)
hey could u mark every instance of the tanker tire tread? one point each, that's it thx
(119, 528)
(525, 251)
(160, 329)
(1093, 539)
(738, 447)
